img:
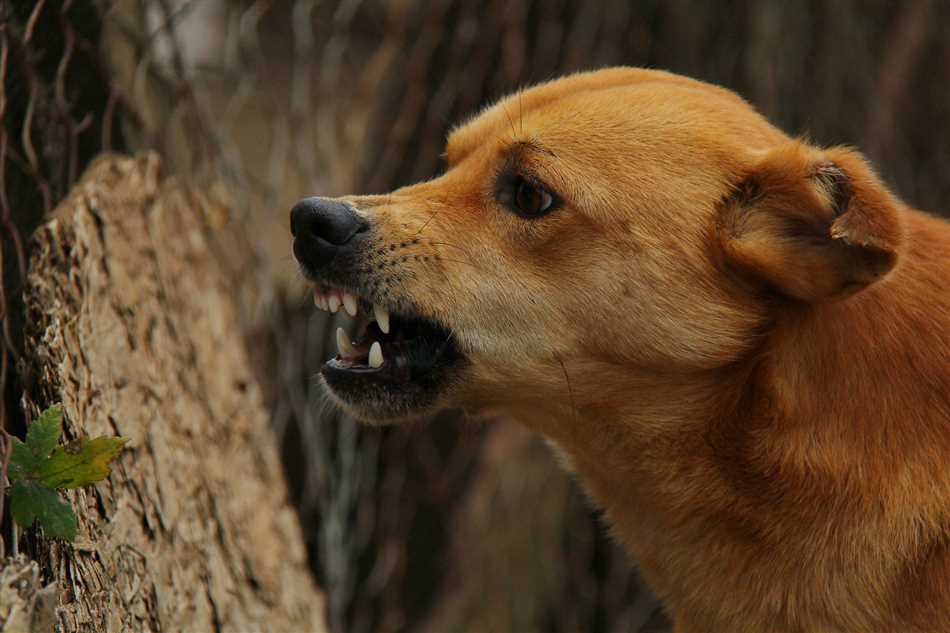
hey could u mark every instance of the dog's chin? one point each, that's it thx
(379, 408)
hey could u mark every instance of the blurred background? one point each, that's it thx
(448, 525)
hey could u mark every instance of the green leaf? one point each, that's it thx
(38, 467)
(22, 461)
(31, 501)
(80, 463)
(41, 439)
(44, 433)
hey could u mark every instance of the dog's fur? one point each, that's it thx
(739, 341)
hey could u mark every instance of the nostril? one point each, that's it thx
(320, 226)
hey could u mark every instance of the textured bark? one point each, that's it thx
(25, 605)
(133, 326)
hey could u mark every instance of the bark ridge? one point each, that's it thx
(133, 324)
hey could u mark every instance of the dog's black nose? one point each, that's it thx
(325, 219)
(321, 228)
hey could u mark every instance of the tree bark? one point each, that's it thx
(132, 323)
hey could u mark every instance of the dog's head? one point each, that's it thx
(621, 222)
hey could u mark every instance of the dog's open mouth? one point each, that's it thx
(394, 365)
(391, 346)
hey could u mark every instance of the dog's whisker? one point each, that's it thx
(426, 223)
(511, 122)
(464, 250)
(570, 388)
(458, 261)
(455, 246)
(521, 110)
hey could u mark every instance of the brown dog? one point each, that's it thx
(741, 342)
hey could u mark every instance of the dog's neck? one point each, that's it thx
(624, 432)
(761, 439)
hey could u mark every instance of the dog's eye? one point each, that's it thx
(532, 200)
(526, 198)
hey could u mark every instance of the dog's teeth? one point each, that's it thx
(320, 300)
(333, 302)
(350, 304)
(376, 355)
(382, 317)
(343, 343)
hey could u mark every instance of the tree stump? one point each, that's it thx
(133, 324)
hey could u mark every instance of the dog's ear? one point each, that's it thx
(816, 225)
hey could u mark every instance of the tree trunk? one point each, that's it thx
(132, 324)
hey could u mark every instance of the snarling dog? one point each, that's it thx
(739, 341)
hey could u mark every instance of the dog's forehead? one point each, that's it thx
(616, 102)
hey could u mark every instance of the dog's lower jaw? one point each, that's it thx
(381, 410)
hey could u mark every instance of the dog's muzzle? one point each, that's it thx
(400, 362)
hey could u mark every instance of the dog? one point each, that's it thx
(738, 340)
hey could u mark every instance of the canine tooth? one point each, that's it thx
(333, 302)
(343, 343)
(349, 303)
(382, 317)
(376, 355)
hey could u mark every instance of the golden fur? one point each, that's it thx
(740, 341)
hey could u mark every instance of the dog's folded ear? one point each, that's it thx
(815, 225)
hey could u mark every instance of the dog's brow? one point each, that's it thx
(516, 148)
(455, 152)
(528, 145)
